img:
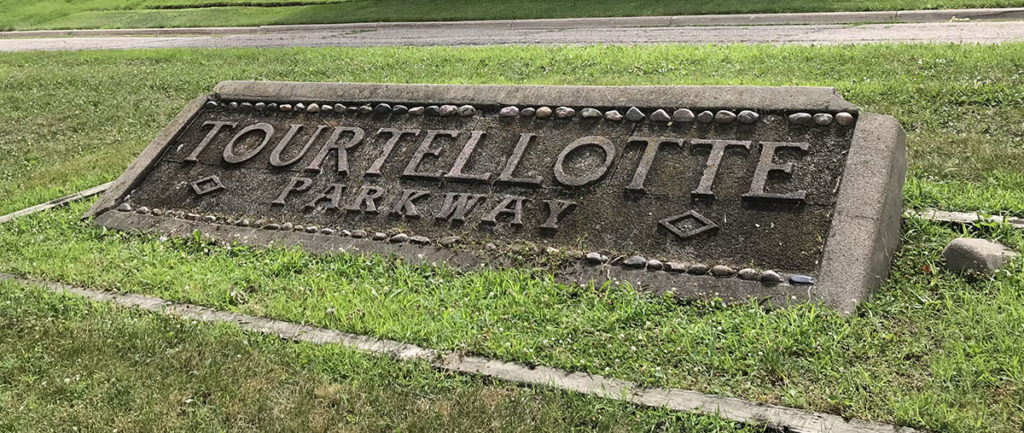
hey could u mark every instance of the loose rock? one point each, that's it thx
(564, 112)
(595, 258)
(448, 241)
(655, 264)
(801, 279)
(635, 262)
(722, 271)
(748, 274)
(124, 207)
(272, 106)
(543, 112)
(313, 108)
(675, 267)
(613, 115)
(419, 240)
(417, 111)
(233, 105)
(683, 115)
(359, 234)
(976, 255)
(510, 111)
(382, 108)
(467, 111)
(210, 218)
(706, 117)
(260, 106)
(340, 108)
(725, 117)
(771, 277)
(449, 110)
(822, 119)
(660, 115)
(432, 110)
(634, 114)
(285, 107)
(287, 226)
(698, 269)
(528, 112)
(748, 117)
(802, 119)
(327, 231)
(399, 109)
(378, 236)
(590, 113)
(245, 106)
(844, 119)
(300, 107)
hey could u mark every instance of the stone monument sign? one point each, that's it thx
(732, 192)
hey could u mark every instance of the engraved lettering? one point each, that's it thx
(396, 134)
(342, 148)
(591, 176)
(510, 205)
(457, 206)
(297, 184)
(194, 156)
(406, 205)
(766, 165)
(423, 150)
(556, 212)
(718, 148)
(510, 166)
(460, 162)
(275, 155)
(651, 147)
(366, 201)
(332, 195)
(229, 151)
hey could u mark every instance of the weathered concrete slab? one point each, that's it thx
(789, 194)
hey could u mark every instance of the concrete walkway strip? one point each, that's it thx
(782, 418)
(57, 202)
(912, 16)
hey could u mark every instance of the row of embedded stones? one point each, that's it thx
(633, 114)
(594, 258)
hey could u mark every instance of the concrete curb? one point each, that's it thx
(782, 418)
(914, 16)
(57, 202)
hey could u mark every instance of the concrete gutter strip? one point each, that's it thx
(782, 418)
(57, 202)
(917, 16)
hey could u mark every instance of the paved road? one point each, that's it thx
(478, 33)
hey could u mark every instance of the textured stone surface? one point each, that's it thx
(760, 195)
(976, 255)
(634, 114)
(683, 115)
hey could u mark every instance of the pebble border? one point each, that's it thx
(766, 277)
(632, 114)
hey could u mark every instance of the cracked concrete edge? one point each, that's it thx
(783, 418)
(911, 16)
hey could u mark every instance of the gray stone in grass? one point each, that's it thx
(595, 258)
(634, 262)
(976, 255)
(634, 114)
(683, 115)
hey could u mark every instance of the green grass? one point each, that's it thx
(70, 365)
(48, 14)
(64, 132)
(930, 350)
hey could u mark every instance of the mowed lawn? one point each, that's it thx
(931, 350)
(60, 14)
